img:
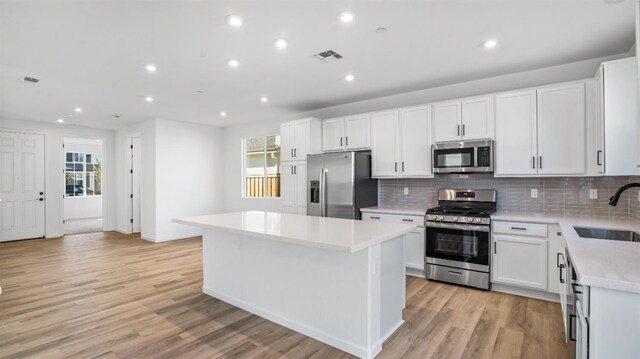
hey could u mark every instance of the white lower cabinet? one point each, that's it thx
(293, 184)
(414, 245)
(520, 261)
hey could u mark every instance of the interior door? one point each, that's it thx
(561, 130)
(136, 148)
(415, 141)
(339, 184)
(22, 201)
(447, 121)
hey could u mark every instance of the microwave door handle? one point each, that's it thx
(475, 156)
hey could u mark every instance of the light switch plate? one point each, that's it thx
(406, 190)
(593, 193)
(534, 193)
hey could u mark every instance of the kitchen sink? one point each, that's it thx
(610, 234)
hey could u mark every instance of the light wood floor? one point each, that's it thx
(116, 296)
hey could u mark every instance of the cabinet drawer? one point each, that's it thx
(520, 228)
(397, 218)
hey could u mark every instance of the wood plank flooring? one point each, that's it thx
(107, 295)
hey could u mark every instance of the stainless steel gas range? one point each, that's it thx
(458, 237)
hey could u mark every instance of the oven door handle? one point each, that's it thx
(464, 227)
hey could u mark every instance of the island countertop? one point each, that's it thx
(331, 233)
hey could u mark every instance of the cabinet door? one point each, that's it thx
(555, 256)
(287, 141)
(447, 121)
(302, 140)
(520, 261)
(414, 249)
(516, 145)
(415, 142)
(563, 279)
(384, 144)
(288, 184)
(333, 135)
(357, 132)
(561, 130)
(599, 122)
(300, 172)
(477, 118)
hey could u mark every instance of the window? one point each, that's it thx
(261, 166)
(83, 174)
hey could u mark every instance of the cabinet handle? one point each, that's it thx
(295, 170)
(533, 161)
(463, 129)
(540, 162)
(402, 166)
(292, 152)
(458, 130)
(340, 141)
(560, 273)
(295, 152)
(346, 139)
(407, 220)
(598, 157)
(456, 273)
(396, 166)
(572, 317)
(495, 248)
(558, 259)
(573, 286)
(372, 217)
(519, 228)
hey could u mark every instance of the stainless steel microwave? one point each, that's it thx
(463, 157)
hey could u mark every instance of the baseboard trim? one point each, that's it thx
(414, 272)
(525, 292)
(299, 327)
(171, 238)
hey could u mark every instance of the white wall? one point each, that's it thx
(54, 164)
(233, 200)
(181, 175)
(82, 207)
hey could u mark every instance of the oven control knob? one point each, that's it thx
(455, 219)
(469, 219)
(477, 220)
(440, 218)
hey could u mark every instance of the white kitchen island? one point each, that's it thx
(339, 281)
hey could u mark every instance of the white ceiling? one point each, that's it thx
(92, 54)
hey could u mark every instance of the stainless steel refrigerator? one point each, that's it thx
(340, 184)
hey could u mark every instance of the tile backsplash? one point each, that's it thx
(556, 195)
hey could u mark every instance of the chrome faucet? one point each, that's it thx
(614, 199)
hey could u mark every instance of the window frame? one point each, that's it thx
(243, 161)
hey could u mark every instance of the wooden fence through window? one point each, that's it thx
(255, 187)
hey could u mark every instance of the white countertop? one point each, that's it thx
(330, 233)
(411, 211)
(597, 262)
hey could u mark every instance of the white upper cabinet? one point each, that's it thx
(477, 118)
(619, 109)
(599, 157)
(357, 131)
(384, 144)
(415, 141)
(333, 134)
(447, 121)
(401, 143)
(300, 138)
(516, 145)
(541, 132)
(561, 130)
(349, 133)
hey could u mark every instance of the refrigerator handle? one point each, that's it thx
(323, 191)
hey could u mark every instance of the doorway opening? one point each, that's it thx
(83, 185)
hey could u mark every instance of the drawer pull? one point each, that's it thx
(373, 217)
(407, 220)
(455, 273)
(519, 228)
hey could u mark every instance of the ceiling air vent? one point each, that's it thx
(31, 80)
(327, 56)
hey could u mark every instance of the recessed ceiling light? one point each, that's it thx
(150, 68)
(148, 99)
(234, 20)
(60, 120)
(233, 63)
(345, 17)
(281, 43)
(77, 109)
(349, 77)
(264, 99)
(223, 113)
(490, 44)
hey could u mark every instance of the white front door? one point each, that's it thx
(21, 186)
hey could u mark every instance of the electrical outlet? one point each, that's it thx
(534, 193)
(406, 190)
(593, 193)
